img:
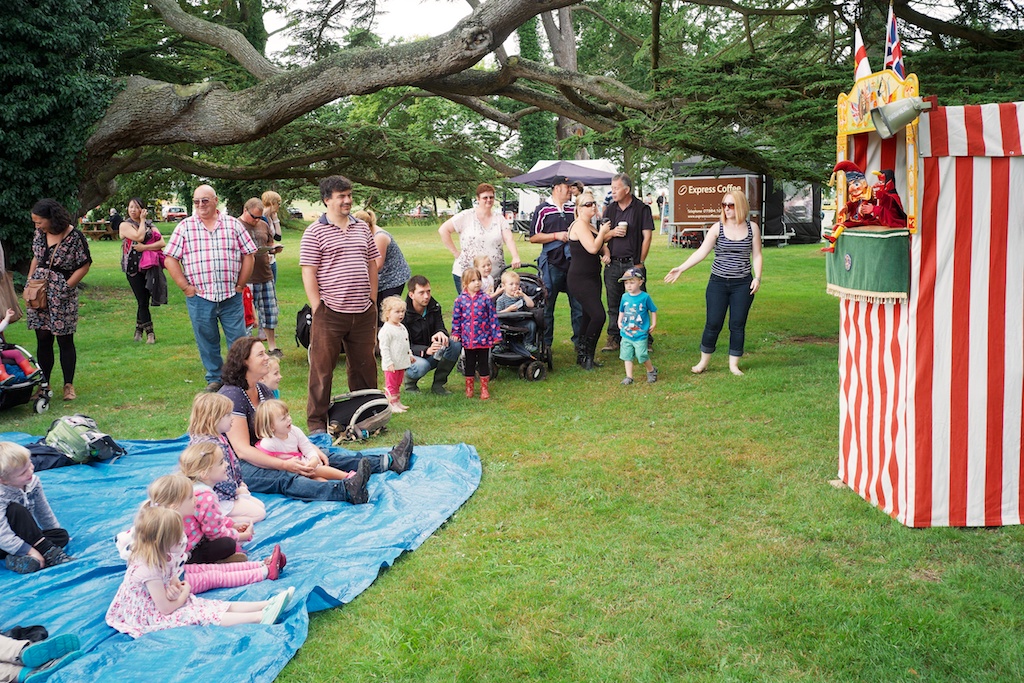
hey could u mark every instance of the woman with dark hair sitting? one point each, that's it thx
(246, 364)
(60, 256)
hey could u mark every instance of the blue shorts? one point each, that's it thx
(633, 349)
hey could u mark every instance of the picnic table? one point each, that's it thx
(98, 230)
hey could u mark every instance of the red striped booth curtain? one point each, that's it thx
(931, 391)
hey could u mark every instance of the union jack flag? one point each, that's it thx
(893, 48)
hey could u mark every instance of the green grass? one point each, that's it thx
(683, 531)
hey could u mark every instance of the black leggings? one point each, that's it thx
(587, 290)
(209, 550)
(477, 361)
(68, 354)
(142, 296)
(24, 526)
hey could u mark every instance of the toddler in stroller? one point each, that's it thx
(520, 306)
(18, 373)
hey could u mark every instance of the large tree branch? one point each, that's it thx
(148, 112)
(215, 35)
(809, 11)
(903, 10)
(499, 52)
(482, 108)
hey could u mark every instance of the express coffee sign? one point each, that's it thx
(698, 201)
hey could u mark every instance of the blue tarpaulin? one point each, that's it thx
(334, 550)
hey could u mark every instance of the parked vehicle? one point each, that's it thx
(294, 213)
(174, 213)
(419, 212)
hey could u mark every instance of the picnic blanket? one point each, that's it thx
(334, 550)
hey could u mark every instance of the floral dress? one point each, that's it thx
(134, 612)
(61, 314)
(476, 240)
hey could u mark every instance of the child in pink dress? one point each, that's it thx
(152, 598)
(282, 439)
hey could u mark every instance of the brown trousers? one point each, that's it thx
(330, 334)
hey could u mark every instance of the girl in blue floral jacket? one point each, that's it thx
(475, 325)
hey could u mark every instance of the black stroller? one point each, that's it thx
(24, 388)
(533, 366)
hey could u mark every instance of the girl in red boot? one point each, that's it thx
(475, 325)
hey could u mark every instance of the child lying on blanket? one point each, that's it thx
(174, 491)
(210, 419)
(215, 536)
(282, 439)
(30, 535)
(151, 596)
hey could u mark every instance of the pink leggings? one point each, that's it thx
(204, 577)
(393, 383)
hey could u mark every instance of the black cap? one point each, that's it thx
(561, 180)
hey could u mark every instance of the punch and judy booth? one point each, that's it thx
(931, 353)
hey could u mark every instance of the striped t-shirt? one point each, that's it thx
(732, 257)
(340, 258)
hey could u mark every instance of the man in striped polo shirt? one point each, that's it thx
(210, 256)
(339, 273)
(551, 221)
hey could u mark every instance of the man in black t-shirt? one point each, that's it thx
(628, 247)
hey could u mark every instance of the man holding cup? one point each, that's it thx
(629, 240)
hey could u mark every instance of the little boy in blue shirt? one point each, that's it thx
(637, 319)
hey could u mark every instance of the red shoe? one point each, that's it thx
(470, 385)
(275, 563)
(484, 393)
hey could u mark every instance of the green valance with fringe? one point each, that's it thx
(870, 264)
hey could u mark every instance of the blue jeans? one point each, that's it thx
(260, 480)
(205, 315)
(732, 294)
(555, 281)
(421, 366)
(458, 284)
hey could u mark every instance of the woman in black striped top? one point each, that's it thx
(735, 278)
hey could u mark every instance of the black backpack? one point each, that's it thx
(358, 415)
(303, 321)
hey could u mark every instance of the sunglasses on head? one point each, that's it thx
(589, 204)
(727, 205)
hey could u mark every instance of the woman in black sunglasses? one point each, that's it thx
(735, 278)
(589, 251)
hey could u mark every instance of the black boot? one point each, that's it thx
(588, 344)
(444, 368)
(581, 350)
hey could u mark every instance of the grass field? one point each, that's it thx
(681, 531)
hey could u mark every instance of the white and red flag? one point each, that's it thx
(860, 56)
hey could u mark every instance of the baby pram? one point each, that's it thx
(24, 389)
(512, 351)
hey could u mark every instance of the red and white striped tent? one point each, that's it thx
(931, 390)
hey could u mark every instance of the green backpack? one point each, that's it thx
(77, 437)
